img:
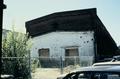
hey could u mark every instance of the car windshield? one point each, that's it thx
(93, 75)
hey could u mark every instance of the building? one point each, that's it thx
(4, 33)
(71, 33)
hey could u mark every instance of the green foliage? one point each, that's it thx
(16, 46)
(34, 64)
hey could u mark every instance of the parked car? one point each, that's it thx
(107, 64)
(94, 72)
(110, 69)
(114, 62)
(115, 58)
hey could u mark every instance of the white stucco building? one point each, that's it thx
(57, 44)
(73, 33)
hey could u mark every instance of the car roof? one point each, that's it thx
(94, 69)
(116, 63)
(99, 69)
(116, 56)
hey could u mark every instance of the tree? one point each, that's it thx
(15, 48)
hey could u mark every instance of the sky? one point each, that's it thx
(20, 11)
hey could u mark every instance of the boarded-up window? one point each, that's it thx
(43, 52)
(71, 52)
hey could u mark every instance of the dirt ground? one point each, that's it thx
(50, 73)
(46, 73)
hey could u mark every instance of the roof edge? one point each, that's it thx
(92, 11)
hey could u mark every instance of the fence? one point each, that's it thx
(24, 68)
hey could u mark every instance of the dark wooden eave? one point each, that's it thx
(78, 20)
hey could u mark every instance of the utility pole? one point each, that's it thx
(2, 6)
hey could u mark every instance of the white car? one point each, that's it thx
(94, 72)
(115, 58)
(117, 63)
(110, 68)
(114, 62)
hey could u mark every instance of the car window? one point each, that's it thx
(83, 76)
(114, 76)
(94, 76)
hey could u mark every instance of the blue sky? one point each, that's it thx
(20, 11)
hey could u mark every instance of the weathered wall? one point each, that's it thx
(58, 41)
